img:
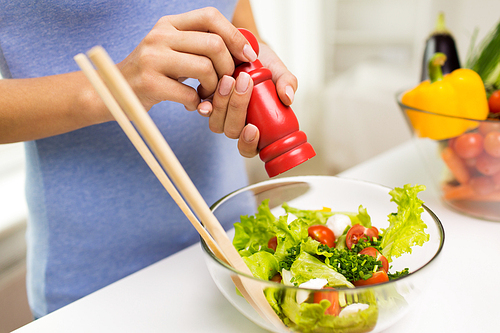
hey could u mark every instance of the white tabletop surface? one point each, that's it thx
(464, 296)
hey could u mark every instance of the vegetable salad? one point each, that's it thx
(328, 251)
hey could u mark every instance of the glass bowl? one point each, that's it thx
(462, 157)
(388, 301)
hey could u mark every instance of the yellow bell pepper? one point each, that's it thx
(446, 101)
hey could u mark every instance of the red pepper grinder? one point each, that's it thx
(282, 145)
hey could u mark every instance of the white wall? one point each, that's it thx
(351, 57)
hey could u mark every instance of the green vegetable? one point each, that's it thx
(299, 258)
(350, 264)
(254, 232)
(310, 317)
(397, 275)
(308, 267)
(262, 265)
(485, 59)
(406, 227)
(440, 41)
(361, 217)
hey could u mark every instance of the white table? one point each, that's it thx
(464, 296)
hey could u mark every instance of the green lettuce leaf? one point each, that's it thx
(311, 317)
(406, 227)
(262, 265)
(312, 217)
(253, 233)
(307, 267)
(361, 217)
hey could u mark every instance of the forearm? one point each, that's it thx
(41, 107)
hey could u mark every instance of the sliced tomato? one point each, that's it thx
(371, 232)
(332, 296)
(377, 277)
(273, 243)
(355, 233)
(322, 234)
(371, 251)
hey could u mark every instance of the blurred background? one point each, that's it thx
(351, 57)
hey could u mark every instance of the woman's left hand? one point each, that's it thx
(228, 106)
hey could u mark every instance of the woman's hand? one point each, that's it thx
(227, 108)
(199, 44)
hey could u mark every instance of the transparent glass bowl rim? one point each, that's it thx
(399, 96)
(295, 179)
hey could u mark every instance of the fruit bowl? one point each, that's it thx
(383, 304)
(462, 157)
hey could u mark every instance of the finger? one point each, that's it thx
(211, 20)
(206, 44)
(193, 66)
(249, 141)
(286, 85)
(219, 104)
(238, 105)
(205, 108)
(168, 89)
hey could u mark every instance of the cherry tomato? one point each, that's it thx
(331, 296)
(322, 234)
(273, 243)
(468, 145)
(357, 232)
(371, 232)
(494, 102)
(482, 185)
(487, 164)
(371, 251)
(377, 277)
(277, 278)
(489, 126)
(492, 143)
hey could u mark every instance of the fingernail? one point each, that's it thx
(242, 82)
(204, 112)
(250, 133)
(226, 84)
(249, 53)
(290, 93)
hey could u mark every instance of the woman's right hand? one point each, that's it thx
(199, 44)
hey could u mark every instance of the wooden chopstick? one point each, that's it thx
(126, 98)
(143, 150)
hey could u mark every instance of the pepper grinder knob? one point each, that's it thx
(282, 146)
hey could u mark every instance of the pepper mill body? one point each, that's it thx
(282, 146)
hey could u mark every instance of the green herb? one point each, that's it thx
(365, 242)
(484, 59)
(397, 275)
(352, 265)
(292, 254)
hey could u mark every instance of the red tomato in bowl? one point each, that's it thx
(273, 243)
(377, 277)
(489, 126)
(331, 296)
(357, 232)
(468, 145)
(492, 143)
(322, 234)
(371, 251)
(494, 102)
(487, 164)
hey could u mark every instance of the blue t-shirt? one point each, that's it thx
(96, 211)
